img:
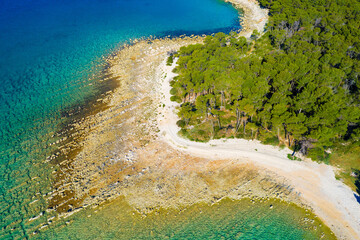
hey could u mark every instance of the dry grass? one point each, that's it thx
(347, 159)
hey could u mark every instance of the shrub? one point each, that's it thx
(170, 61)
(173, 91)
(273, 140)
(175, 99)
(181, 123)
(319, 154)
(291, 157)
(357, 181)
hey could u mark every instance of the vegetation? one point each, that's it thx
(297, 85)
(291, 157)
(170, 59)
(357, 182)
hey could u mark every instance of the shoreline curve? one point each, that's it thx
(337, 206)
(331, 200)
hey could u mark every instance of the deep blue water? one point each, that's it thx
(51, 52)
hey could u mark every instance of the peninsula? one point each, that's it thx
(133, 147)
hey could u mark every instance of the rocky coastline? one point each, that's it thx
(124, 153)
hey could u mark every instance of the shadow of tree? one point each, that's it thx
(357, 181)
(357, 197)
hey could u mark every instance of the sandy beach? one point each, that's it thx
(330, 199)
(133, 146)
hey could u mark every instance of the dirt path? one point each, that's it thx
(115, 160)
(331, 200)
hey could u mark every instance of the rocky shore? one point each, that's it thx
(123, 120)
(254, 17)
(124, 152)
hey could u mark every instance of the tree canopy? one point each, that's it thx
(297, 85)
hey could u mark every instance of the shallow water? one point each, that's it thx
(52, 55)
(52, 64)
(245, 219)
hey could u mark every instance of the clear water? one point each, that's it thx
(227, 219)
(51, 55)
(51, 52)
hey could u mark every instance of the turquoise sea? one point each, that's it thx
(244, 219)
(52, 54)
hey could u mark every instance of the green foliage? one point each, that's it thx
(180, 123)
(170, 60)
(357, 181)
(345, 155)
(297, 85)
(272, 140)
(319, 154)
(291, 157)
(255, 35)
(183, 132)
(173, 91)
(175, 99)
